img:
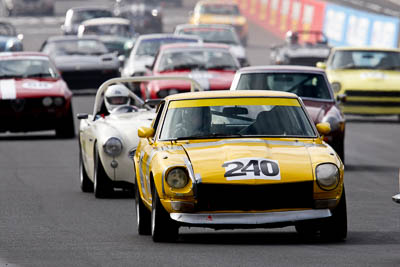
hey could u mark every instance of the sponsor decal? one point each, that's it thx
(7, 89)
(372, 75)
(37, 85)
(252, 169)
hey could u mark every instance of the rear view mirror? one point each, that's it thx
(321, 65)
(145, 132)
(235, 111)
(324, 128)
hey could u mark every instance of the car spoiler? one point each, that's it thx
(194, 86)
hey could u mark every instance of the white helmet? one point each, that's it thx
(115, 96)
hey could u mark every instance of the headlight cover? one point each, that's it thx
(336, 87)
(328, 176)
(177, 178)
(113, 147)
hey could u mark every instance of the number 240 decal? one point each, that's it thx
(252, 168)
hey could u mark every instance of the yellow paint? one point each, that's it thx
(233, 101)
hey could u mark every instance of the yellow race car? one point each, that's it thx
(221, 12)
(237, 159)
(365, 80)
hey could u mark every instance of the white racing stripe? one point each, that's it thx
(7, 89)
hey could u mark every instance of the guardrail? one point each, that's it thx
(342, 25)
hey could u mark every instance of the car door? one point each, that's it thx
(147, 151)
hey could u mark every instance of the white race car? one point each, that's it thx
(107, 142)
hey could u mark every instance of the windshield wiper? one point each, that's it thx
(221, 67)
(38, 75)
(10, 76)
(206, 136)
(188, 66)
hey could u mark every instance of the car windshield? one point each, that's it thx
(121, 30)
(362, 59)
(219, 9)
(27, 68)
(149, 47)
(307, 85)
(75, 47)
(82, 15)
(210, 35)
(189, 59)
(235, 117)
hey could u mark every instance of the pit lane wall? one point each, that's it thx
(343, 26)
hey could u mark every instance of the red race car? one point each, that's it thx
(33, 96)
(211, 65)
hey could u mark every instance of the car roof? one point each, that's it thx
(25, 54)
(270, 68)
(362, 48)
(80, 8)
(216, 2)
(229, 94)
(193, 45)
(71, 37)
(166, 35)
(204, 26)
(105, 21)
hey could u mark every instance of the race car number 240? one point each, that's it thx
(252, 168)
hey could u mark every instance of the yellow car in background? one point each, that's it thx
(221, 12)
(237, 159)
(365, 80)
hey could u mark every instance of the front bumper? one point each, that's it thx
(220, 219)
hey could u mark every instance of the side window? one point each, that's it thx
(159, 112)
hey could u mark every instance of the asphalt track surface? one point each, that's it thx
(46, 221)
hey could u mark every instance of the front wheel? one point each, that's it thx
(86, 183)
(163, 228)
(143, 215)
(102, 184)
(335, 227)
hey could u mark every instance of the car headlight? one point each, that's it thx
(336, 87)
(58, 101)
(113, 147)
(333, 121)
(327, 176)
(47, 101)
(177, 178)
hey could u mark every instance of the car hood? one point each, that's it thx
(82, 62)
(213, 162)
(366, 79)
(25, 88)
(208, 80)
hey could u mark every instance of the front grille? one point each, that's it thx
(217, 197)
(373, 93)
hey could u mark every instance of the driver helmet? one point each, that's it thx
(115, 96)
(292, 37)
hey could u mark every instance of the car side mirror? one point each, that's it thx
(82, 116)
(321, 65)
(145, 132)
(341, 98)
(324, 128)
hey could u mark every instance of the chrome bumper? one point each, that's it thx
(396, 198)
(250, 218)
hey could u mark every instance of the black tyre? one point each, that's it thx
(86, 183)
(339, 148)
(163, 228)
(66, 126)
(143, 215)
(335, 227)
(102, 185)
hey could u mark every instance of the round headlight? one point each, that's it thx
(327, 176)
(113, 147)
(58, 101)
(336, 87)
(177, 178)
(47, 101)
